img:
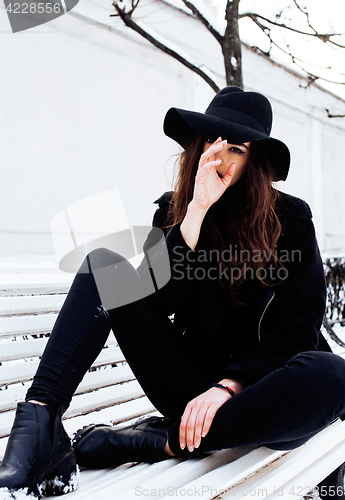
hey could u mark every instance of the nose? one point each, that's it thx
(218, 155)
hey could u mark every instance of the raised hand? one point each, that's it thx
(216, 170)
(209, 184)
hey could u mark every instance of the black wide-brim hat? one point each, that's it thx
(234, 115)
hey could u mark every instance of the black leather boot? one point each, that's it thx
(102, 446)
(39, 458)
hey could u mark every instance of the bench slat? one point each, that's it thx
(311, 477)
(267, 482)
(13, 326)
(104, 398)
(120, 415)
(34, 284)
(222, 477)
(116, 478)
(22, 349)
(23, 371)
(115, 485)
(29, 348)
(31, 304)
(92, 381)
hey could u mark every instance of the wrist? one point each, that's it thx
(196, 210)
(191, 225)
(236, 385)
(224, 388)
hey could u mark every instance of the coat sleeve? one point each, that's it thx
(181, 257)
(293, 318)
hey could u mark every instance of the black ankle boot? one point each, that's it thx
(39, 458)
(102, 446)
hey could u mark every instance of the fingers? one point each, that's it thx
(216, 141)
(198, 417)
(183, 425)
(196, 422)
(213, 149)
(202, 425)
(191, 425)
(198, 428)
(229, 173)
(193, 422)
(208, 161)
(212, 410)
(205, 414)
(203, 169)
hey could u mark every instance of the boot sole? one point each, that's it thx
(63, 476)
(59, 478)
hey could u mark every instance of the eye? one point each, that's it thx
(236, 150)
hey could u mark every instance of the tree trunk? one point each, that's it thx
(231, 46)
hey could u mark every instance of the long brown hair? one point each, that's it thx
(252, 226)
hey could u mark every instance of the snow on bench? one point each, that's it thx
(109, 393)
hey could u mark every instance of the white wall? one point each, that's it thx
(82, 111)
(316, 142)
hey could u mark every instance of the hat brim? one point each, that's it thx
(179, 125)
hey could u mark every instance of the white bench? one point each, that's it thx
(30, 299)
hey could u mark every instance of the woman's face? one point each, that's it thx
(231, 153)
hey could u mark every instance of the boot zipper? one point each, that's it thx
(262, 315)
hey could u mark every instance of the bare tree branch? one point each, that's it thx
(204, 21)
(306, 13)
(316, 77)
(312, 77)
(134, 4)
(324, 37)
(128, 21)
(230, 42)
(329, 114)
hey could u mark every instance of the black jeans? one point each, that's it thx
(282, 410)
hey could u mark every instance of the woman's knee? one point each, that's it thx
(101, 258)
(322, 363)
(117, 281)
(323, 372)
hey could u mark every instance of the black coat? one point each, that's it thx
(279, 321)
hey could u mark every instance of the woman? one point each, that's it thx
(243, 362)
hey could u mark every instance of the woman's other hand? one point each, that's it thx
(200, 411)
